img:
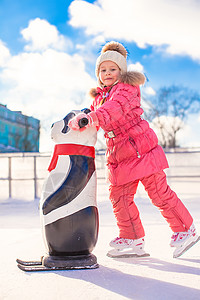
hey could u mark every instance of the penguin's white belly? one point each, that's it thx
(85, 199)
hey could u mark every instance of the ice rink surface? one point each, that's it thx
(156, 277)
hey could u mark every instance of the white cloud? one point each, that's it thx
(45, 84)
(136, 67)
(172, 26)
(148, 90)
(190, 136)
(4, 54)
(41, 35)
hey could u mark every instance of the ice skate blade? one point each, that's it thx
(58, 263)
(180, 251)
(40, 268)
(29, 262)
(127, 255)
(118, 254)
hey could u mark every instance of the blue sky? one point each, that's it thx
(48, 49)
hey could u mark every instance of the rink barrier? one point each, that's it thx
(26, 171)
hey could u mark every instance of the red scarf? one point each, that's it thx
(70, 149)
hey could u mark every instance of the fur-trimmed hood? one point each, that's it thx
(133, 78)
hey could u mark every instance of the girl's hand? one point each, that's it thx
(91, 117)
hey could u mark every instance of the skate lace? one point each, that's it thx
(117, 240)
(122, 241)
(178, 236)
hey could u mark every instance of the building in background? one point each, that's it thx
(18, 132)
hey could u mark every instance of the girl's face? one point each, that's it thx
(109, 73)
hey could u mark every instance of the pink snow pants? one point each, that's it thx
(127, 214)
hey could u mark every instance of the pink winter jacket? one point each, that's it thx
(133, 152)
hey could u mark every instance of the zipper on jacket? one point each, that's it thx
(134, 146)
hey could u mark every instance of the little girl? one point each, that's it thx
(133, 155)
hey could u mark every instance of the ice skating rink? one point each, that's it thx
(156, 277)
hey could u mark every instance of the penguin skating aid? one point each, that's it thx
(68, 209)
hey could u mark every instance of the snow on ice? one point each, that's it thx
(156, 277)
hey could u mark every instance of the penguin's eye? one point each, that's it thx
(86, 110)
(66, 120)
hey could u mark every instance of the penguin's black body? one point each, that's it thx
(74, 234)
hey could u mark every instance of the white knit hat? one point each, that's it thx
(113, 51)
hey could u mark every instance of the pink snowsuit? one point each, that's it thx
(133, 155)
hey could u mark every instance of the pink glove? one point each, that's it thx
(92, 121)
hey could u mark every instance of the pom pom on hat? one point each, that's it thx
(114, 46)
(113, 51)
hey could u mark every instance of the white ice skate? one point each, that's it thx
(183, 241)
(125, 248)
